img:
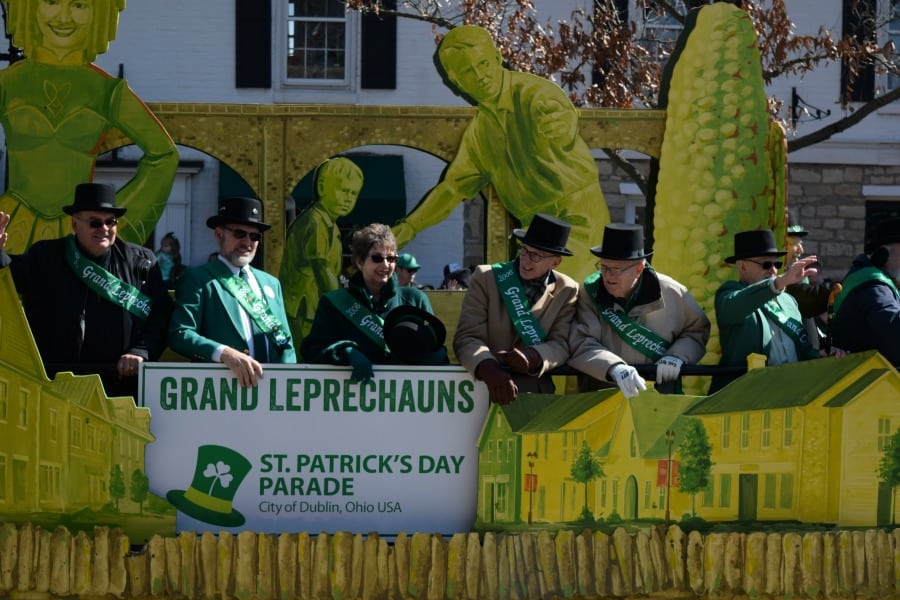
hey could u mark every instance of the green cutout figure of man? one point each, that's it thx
(55, 109)
(311, 264)
(523, 140)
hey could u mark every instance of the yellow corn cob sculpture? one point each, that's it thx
(716, 174)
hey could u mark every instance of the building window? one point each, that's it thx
(725, 490)
(745, 430)
(52, 425)
(788, 427)
(23, 408)
(648, 491)
(726, 431)
(490, 451)
(510, 449)
(769, 490)
(603, 493)
(502, 497)
(615, 495)
(3, 477)
(662, 496)
(658, 30)
(632, 446)
(787, 491)
(318, 42)
(709, 494)
(4, 402)
(884, 433)
(49, 482)
(766, 438)
(76, 432)
(89, 437)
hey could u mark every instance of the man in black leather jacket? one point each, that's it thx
(95, 303)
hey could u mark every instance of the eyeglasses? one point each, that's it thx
(766, 264)
(614, 270)
(96, 223)
(413, 271)
(380, 258)
(532, 256)
(240, 234)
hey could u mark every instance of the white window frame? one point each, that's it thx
(351, 53)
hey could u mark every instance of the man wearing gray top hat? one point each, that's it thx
(218, 314)
(628, 314)
(517, 314)
(95, 303)
(754, 314)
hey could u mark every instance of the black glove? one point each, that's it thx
(362, 366)
(500, 384)
(525, 361)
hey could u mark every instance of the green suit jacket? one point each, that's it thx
(207, 315)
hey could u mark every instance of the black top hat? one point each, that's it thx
(239, 210)
(886, 232)
(95, 196)
(622, 241)
(411, 333)
(797, 231)
(759, 242)
(546, 233)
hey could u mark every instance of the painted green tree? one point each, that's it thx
(116, 484)
(586, 468)
(140, 486)
(695, 468)
(889, 469)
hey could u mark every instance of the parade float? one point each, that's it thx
(413, 485)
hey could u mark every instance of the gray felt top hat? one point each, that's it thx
(239, 210)
(622, 241)
(759, 242)
(94, 196)
(546, 233)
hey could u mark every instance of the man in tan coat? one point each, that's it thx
(517, 314)
(628, 314)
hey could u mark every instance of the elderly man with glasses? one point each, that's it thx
(628, 314)
(514, 322)
(227, 311)
(754, 314)
(95, 303)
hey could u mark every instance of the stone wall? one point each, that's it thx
(657, 562)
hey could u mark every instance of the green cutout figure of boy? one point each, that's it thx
(523, 140)
(312, 264)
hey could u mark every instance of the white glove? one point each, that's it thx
(628, 380)
(668, 368)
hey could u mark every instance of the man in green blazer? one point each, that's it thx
(754, 314)
(227, 311)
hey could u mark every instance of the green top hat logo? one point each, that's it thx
(217, 477)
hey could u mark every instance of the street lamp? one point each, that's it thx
(670, 439)
(531, 482)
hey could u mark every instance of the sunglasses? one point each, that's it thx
(96, 223)
(767, 264)
(380, 258)
(240, 234)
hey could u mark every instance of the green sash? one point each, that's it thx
(792, 327)
(639, 337)
(257, 309)
(517, 305)
(859, 277)
(107, 285)
(362, 318)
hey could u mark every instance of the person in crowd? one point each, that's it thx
(812, 296)
(628, 314)
(169, 258)
(867, 310)
(407, 267)
(523, 140)
(228, 311)
(456, 277)
(313, 251)
(95, 303)
(350, 323)
(515, 317)
(754, 314)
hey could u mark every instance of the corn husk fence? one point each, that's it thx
(35, 564)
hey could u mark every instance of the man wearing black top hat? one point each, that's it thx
(517, 314)
(218, 314)
(867, 311)
(95, 303)
(628, 314)
(754, 314)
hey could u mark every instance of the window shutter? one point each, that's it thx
(253, 43)
(378, 50)
(859, 22)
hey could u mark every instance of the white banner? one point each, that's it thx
(308, 450)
